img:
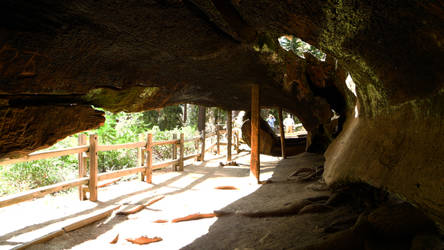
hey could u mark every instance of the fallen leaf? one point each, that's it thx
(140, 207)
(144, 240)
(194, 217)
(132, 211)
(160, 221)
(114, 241)
(226, 188)
(151, 202)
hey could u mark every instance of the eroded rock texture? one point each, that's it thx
(25, 129)
(138, 55)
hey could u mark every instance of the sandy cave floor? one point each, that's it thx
(188, 192)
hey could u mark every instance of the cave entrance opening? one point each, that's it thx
(293, 128)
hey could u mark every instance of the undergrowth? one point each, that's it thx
(118, 128)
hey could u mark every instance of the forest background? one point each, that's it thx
(118, 128)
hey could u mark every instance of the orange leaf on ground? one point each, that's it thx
(160, 221)
(140, 207)
(226, 188)
(194, 217)
(114, 241)
(151, 202)
(144, 240)
(132, 211)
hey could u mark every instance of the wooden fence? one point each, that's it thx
(88, 153)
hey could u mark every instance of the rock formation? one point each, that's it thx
(59, 57)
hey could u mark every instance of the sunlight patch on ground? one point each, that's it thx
(189, 192)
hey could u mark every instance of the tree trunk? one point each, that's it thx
(201, 118)
(184, 114)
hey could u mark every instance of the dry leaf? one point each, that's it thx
(115, 239)
(132, 211)
(160, 221)
(140, 207)
(151, 202)
(144, 240)
(226, 188)
(194, 217)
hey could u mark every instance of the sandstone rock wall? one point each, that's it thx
(26, 129)
(399, 150)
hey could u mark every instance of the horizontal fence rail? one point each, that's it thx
(42, 191)
(119, 173)
(193, 139)
(47, 154)
(102, 148)
(158, 143)
(145, 164)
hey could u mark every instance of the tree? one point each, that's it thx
(202, 118)
(184, 120)
(167, 118)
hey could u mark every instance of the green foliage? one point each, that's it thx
(214, 115)
(166, 119)
(164, 152)
(28, 175)
(119, 128)
(300, 47)
(126, 127)
(117, 159)
(193, 115)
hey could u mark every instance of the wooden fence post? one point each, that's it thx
(93, 167)
(229, 134)
(174, 152)
(255, 116)
(181, 151)
(149, 159)
(82, 165)
(202, 154)
(141, 157)
(282, 132)
(218, 140)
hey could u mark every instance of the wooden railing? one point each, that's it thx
(88, 153)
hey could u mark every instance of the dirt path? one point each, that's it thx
(285, 213)
(188, 192)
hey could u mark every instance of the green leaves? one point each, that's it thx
(118, 128)
(300, 47)
(28, 175)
